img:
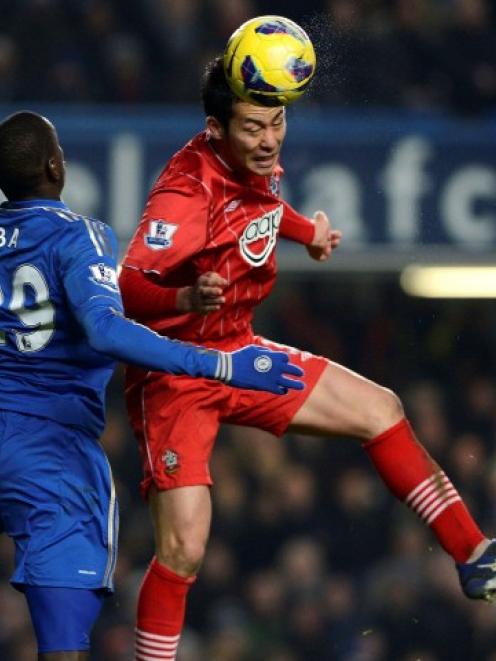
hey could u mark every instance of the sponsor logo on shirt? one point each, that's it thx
(104, 275)
(259, 237)
(160, 236)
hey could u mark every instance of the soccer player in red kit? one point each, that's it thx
(201, 260)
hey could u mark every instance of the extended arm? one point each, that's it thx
(88, 267)
(111, 333)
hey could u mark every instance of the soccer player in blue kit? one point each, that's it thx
(61, 330)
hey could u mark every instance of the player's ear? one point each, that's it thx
(215, 128)
(54, 169)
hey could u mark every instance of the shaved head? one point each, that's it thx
(28, 142)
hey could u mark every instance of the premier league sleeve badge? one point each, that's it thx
(160, 235)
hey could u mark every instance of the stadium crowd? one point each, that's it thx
(310, 559)
(427, 54)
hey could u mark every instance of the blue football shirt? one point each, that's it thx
(53, 261)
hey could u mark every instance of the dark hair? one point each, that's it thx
(26, 143)
(218, 99)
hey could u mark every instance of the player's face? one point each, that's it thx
(254, 137)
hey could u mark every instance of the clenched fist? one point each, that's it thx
(205, 296)
(325, 239)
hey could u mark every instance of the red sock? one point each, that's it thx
(416, 479)
(161, 608)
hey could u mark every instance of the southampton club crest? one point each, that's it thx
(275, 185)
(171, 461)
(260, 236)
(160, 236)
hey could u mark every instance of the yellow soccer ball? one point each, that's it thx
(269, 61)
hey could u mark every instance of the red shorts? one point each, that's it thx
(176, 418)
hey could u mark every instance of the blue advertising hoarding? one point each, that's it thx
(401, 187)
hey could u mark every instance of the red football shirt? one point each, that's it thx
(202, 216)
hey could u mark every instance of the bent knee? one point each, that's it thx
(387, 411)
(183, 554)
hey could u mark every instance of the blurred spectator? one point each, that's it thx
(358, 519)
(127, 69)
(48, 36)
(9, 69)
(407, 72)
(177, 36)
(224, 17)
(426, 405)
(265, 596)
(470, 57)
(302, 565)
(343, 47)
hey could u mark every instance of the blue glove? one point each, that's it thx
(257, 368)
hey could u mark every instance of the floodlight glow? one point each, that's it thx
(449, 281)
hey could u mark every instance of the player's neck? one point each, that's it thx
(223, 155)
(41, 193)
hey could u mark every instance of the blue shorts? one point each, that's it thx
(58, 504)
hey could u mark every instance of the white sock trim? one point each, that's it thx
(432, 497)
(156, 636)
